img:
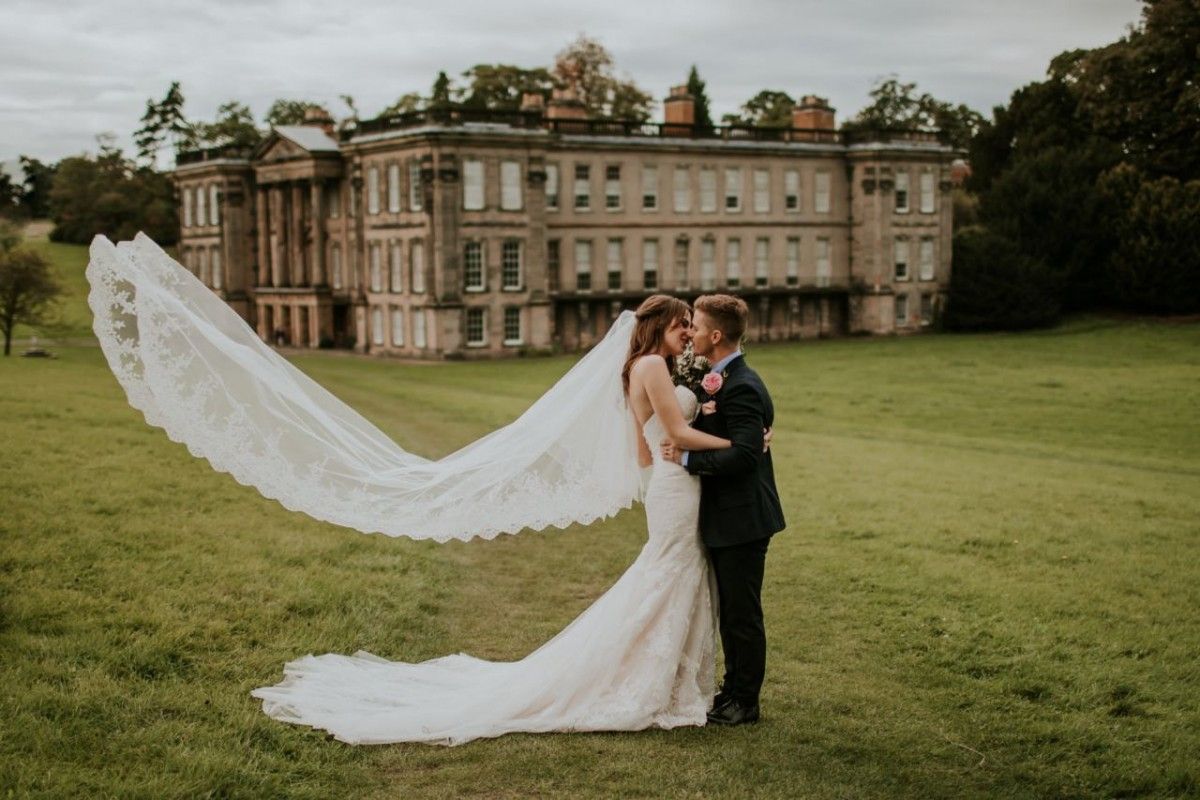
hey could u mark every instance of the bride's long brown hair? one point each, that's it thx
(656, 313)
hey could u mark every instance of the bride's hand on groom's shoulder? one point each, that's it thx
(768, 434)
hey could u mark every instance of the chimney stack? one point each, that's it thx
(318, 117)
(565, 104)
(680, 107)
(813, 113)
(533, 101)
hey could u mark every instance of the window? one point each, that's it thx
(583, 265)
(395, 251)
(793, 261)
(552, 187)
(473, 266)
(217, 278)
(708, 189)
(583, 190)
(926, 309)
(510, 264)
(683, 189)
(902, 192)
(187, 208)
(681, 264)
(333, 199)
(553, 263)
(376, 268)
(650, 263)
(824, 262)
(416, 258)
(512, 326)
(733, 263)
(393, 188)
(900, 258)
(927, 202)
(202, 265)
(201, 216)
(926, 262)
(762, 262)
(352, 211)
(214, 205)
(476, 327)
(473, 185)
(616, 257)
(612, 187)
(733, 189)
(414, 185)
(708, 264)
(335, 265)
(791, 190)
(419, 328)
(510, 186)
(649, 188)
(901, 309)
(373, 193)
(821, 203)
(762, 191)
(397, 327)
(377, 325)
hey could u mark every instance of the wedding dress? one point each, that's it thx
(641, 656)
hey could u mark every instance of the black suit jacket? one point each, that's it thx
(738, 499)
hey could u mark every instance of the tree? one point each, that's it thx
(27, 286)
(10, 196)
(501, 86)
(441, 93)
(289, 112)
(696, 88)
(39, 178)
(1155, 262)
(404, 104)
(587, 67)
(769, 108)
(234, 127)
(896, 105)
(162, 124)
(994, 286)
(109, 194)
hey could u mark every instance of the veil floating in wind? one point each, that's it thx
(194, 368)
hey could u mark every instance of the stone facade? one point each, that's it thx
(464, 234)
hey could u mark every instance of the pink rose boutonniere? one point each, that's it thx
(712, 383)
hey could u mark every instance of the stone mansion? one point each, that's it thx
(460, 233)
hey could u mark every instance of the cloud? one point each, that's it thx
(72, 69)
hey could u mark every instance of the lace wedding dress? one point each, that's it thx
(641, 656)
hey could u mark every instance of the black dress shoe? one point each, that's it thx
(720, 699)
(734, 713)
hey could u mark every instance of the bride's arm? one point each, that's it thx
(645, 458)
(652, 370)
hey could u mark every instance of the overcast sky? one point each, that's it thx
(70, 69)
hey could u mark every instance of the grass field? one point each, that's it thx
(988, 586)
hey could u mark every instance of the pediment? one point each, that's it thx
(278, 148)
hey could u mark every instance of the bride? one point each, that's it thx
(641, 656)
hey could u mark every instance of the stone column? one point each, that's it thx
(317, 273)
(276, 233)
(262, 224)
(296, 234)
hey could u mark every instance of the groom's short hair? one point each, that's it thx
(728, 314)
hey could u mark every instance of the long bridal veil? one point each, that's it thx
(195, 369)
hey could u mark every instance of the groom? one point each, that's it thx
(739, 505)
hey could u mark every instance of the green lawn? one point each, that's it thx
(988, 586)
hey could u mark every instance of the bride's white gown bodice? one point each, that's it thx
(640, 656)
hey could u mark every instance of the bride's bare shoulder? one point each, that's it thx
(649, 361)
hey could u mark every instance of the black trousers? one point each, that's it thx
(739, 571)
